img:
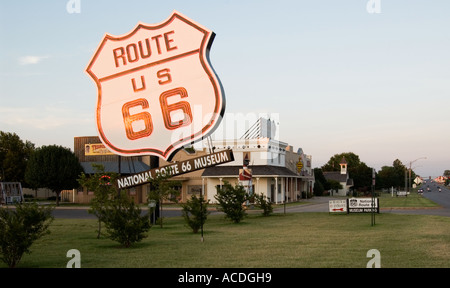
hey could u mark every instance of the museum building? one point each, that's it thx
(276, 170)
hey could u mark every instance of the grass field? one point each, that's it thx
(412, 200)
(281, 240)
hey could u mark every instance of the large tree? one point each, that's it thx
(387, 178)
(53, 167)
(394, 176)
(320, 184)
(358, 171)
(333, 164)
(14, 154)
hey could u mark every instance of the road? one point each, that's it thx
(442, 198)
(320, 204)
(315, 204)
(82, 212)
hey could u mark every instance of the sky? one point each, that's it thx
(364, 76)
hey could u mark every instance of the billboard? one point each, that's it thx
(96, 149)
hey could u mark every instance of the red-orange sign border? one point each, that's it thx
(219, 108)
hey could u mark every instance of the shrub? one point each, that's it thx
(124, 222)
(231, 200)
(318, 189)
(19, 228)
(195, 212)
(262, 203)
(103, 191)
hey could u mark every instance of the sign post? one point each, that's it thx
(373, 197)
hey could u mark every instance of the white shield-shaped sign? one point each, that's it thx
(157, 90)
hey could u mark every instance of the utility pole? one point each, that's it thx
(409, 178)
(373, 197)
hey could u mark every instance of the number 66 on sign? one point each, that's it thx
(157, 90)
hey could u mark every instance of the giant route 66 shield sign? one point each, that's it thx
(157, 90)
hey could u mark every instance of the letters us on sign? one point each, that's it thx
(157, 90)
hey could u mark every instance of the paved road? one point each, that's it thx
(442, 198)
(320, 204)
(82, 213)
(315, 204)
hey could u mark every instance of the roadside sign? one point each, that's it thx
(363, 205)
(177, 168)
(337, 206)
(157, 90)
(418, 180)
(299, 165)
(354, 205)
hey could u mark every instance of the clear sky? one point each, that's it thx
(340, 76)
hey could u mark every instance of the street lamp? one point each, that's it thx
(410, 163)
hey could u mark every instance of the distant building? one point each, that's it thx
(440, 179)
(342, 177)
(278, 172)
(273, 166)
(89, 150)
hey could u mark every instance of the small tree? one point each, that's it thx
(262, 203)
(122, 218)
(163, 189)
(195, 212)
(101, 184)
(231, 200)
(124, 222)
(19, 228)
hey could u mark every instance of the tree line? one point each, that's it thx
(395, 176)
(21, 161)
(54, 167)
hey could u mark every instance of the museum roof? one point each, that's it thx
(257, 170)
(126, 166)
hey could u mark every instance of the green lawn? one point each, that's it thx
(412, 200)
(281, 240)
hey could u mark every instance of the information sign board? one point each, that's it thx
(337, 205)
(363, 205)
